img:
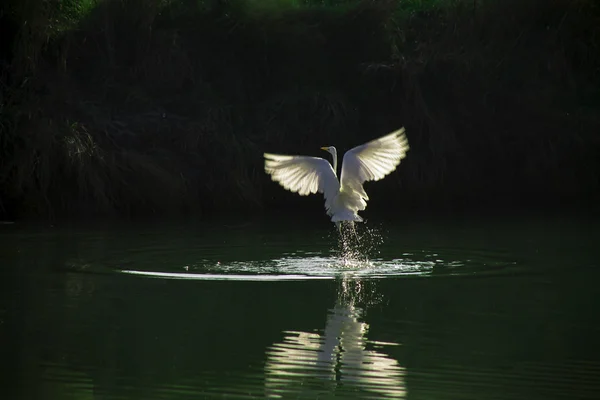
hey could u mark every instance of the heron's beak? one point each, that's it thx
(324, 148)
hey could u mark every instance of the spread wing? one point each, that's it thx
(372, 161)
(303, 175)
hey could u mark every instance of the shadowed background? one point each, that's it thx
(137, 107)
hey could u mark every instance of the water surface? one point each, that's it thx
(459, 308)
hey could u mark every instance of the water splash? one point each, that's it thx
(357, 245)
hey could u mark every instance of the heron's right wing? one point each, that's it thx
(373, 160)
(303, 175)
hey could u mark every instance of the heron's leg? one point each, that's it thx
(340, 228)
(353, 225)
(342, 237)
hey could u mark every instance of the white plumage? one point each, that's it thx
(344, 198)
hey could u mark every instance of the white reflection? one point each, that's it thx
(338, 359)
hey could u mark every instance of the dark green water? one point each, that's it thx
(480, 308)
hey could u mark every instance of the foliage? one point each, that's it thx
(152, 106)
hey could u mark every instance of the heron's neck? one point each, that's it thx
(334, 154)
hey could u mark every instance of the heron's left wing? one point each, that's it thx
(372, 161)
(303, 175)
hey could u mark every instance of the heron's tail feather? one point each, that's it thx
(346, 215)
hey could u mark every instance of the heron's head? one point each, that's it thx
(329, 149)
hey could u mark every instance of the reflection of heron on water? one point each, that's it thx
(314, 364)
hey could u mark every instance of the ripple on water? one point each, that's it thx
(312, 265)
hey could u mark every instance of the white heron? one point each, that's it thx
(371, 161)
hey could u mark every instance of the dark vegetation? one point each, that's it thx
(130, 107)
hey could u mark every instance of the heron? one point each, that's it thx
(370, 161)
